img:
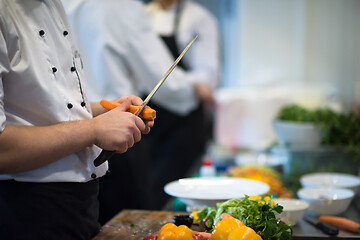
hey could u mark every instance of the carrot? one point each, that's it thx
(109, 104)
(147, 113)
(341, 222)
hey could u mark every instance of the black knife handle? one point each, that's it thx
(328, 229)
(104, 155)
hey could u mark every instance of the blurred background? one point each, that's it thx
(278, 51)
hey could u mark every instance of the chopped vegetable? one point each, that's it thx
(263, 174)
(341, 222)
(171, 232)
(223, 228)
(206, 217)
(202, 236)
(147, 113)
(258, 215)
(195, 217)
(244, 233)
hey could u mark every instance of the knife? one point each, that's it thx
(106, 154)
(326, 228)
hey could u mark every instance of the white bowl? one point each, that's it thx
(326, 201)
(297, 135)
(293, 209)
(336, 180)
(208, 191)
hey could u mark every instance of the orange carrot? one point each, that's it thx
(341, 222)
(109, 104)
(147, 113)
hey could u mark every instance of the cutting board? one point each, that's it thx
(136, 224)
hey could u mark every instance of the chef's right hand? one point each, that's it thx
(118, 130)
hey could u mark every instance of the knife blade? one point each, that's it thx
(326, 228)
(106, 154)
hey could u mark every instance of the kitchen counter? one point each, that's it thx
(137, 224)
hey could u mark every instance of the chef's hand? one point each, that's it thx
(118, 130)
(134, 100)
(205, 94)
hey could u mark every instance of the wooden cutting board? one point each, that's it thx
(136, 224)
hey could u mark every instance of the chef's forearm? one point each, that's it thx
(24, 148)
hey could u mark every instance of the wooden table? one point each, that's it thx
(137, 224)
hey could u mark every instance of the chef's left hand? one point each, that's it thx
(205, 94)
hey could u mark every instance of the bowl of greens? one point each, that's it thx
(336, 129)
(297, 134)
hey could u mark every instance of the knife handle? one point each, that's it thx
(104, 156)
(328, 229)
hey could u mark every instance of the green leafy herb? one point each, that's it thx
(209, 215)
(256, 215)
(341, 130)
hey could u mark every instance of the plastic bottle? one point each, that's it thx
(207, 169)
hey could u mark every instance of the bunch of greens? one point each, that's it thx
(341, 130)
(297, 113)
(256, 215)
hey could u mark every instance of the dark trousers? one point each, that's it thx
(48, 210)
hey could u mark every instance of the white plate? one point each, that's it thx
(196, 192)
(336, 180)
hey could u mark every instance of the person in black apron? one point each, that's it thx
(167, 153)
(177, 142)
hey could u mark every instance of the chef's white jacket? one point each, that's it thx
(203, 59)
(42, 83)
(123, 55)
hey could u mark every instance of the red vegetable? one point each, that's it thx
(202, 236)
(151, 237)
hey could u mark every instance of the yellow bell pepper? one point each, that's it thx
(223, 228)
(195, 217)
(244, 233)
(172, 232)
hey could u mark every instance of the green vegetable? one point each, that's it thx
(296, 113)
(208, 214)
(341, 130)
(258, 216)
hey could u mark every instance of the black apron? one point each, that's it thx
(48, 211)
(178, 142)
(167, 153)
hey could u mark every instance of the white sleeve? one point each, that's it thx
(204, 58)
(125, 55)
(4, 63)
(2, 111)
(149, 59)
